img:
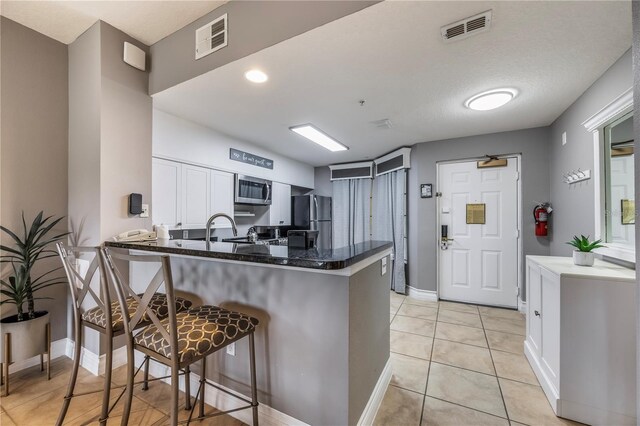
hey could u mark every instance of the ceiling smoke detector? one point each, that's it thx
(384, 123)
(467, 27)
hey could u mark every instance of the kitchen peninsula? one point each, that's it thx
(323, 340)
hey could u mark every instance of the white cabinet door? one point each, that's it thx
(222, 196)
(280, 210)
(534, 324)
(550, 302)
(165, 198)
(195, 196)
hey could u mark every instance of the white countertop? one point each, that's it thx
(600, 269)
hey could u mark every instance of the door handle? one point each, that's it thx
(536, 313)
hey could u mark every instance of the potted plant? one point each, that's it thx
(27, 331)
(583, 254)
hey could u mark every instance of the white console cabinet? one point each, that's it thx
(581, 338)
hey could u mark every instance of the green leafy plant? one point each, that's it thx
(34, 245)
(583, 244)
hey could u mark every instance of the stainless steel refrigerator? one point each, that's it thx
(313, 212)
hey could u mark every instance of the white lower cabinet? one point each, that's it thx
(580, 338)
(186, 196)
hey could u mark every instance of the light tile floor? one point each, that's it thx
(453, 364)
(460, 364)
(35, 401)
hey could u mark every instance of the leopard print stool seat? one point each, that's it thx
(201, 331)
(158, 305)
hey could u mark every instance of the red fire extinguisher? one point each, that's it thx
(541, 214)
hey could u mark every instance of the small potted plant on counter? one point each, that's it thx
(583, 254)
(26, 334)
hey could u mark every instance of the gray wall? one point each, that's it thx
(321, 341)
(33, 137)
(573, 205)
(531, 143)
(636, 125)
(109, 139)
(322, 181)
(253, 26)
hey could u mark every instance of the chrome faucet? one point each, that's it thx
(207, 236)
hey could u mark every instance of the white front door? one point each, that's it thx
(479, 264)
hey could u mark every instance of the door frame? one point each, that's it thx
(520, 257)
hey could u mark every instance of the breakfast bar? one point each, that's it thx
(323, 341)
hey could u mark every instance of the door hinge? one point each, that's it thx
(517, 175)
(517, 234)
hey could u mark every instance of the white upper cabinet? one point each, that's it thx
(186, 196)
(280, 210)
(167, 181)
(195, 195)
(222, 196)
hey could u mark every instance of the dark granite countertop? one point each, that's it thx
(330, 259)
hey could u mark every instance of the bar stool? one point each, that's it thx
(109, 322)
(182, 338)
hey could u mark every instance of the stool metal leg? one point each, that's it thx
(74, 373)
(128, 395)
(107, 380)
(145, 383)
(203, 386)
(175, 390)
(187, 388)
(254, 386)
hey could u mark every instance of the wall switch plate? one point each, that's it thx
(383, 262)
(185, 234)
(145, 210)
(564, 138)
(231, 349)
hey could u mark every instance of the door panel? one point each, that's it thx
(165, 198)
(222, 196)
(480, 264)
(550, 324)
(195, 196)
(534, 326)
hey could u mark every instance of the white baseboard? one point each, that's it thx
(420, 294)
(58, 349)
(522, 306)
(95, 363)
(216, 398)
(371, 409)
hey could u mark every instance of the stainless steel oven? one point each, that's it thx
(250, 190)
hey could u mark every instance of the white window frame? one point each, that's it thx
(595, 124)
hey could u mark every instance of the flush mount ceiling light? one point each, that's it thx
(256, 76)
(315, 135)
(490, 99)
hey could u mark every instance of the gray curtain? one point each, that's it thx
(351, 211)
(389, 221)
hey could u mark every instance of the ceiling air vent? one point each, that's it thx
(467, 27)
(211, 37)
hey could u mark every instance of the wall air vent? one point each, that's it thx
(467, 27)
(384, 123)
(211, 37)
(362, 170)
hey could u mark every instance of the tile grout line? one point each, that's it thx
(504, 404)
(426, 385)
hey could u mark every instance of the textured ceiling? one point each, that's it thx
(392, 55)
(146, 21)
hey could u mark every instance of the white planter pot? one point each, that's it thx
(583, 258)
(28, 338)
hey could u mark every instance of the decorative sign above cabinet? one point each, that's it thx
(245, 157)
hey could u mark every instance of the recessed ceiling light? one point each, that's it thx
(491, 99)
(256, 76)
(315, 135)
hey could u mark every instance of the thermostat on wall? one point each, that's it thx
(135, 203)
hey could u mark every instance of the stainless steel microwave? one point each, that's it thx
(250, 190)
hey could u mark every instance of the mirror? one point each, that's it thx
(619, 182)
